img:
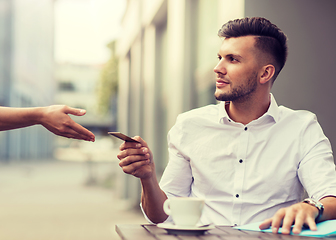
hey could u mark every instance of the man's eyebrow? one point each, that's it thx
(233, 55)
(230, 55)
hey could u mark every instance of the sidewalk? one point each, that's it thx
(50, 200)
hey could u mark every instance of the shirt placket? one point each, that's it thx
(239, 167)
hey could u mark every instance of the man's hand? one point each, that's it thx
(298, 214)
(55, 118)
(136, 159)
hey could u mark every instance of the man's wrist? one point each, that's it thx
(316, 204)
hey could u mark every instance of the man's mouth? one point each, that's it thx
(221, 83)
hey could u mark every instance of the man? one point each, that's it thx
(55, 118)
(248, 158)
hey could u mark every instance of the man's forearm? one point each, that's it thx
(329, 212)
(152, 200)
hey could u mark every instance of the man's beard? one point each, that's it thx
(240, 93)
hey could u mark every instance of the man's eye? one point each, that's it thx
(232, 59)
(219, 57)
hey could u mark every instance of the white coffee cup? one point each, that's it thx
(185, 211)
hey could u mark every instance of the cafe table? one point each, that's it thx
(153, 232)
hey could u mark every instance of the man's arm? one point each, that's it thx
(152, 199)
(300, 214)
(136, 159)
(55, 118)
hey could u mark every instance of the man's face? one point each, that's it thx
(237, 69)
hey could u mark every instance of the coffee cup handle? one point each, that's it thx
(166, 207)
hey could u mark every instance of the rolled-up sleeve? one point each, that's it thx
(177, 178)
(317, 169)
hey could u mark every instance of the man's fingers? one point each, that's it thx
(287, 223)
(266, 224)
(130, 169)
(277, 220)
(128, 145)
(302, 220)
(299, 214)
(129, 160)
(311, 224)
(299, 221)
(132, 151)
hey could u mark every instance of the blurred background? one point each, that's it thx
(134, 65)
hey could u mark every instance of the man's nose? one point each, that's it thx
(219, 68)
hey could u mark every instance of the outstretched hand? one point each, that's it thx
(55, 118)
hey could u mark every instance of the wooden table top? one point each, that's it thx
(152, 232)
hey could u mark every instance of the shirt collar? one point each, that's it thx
(273, 111)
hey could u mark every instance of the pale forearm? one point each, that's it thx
(12, 118)
(152, 200)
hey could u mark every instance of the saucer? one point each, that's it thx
(183, 230)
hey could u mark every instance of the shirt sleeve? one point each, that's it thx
(317, 169)
(177, 178)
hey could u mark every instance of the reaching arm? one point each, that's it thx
(136, 159)
(54, 118)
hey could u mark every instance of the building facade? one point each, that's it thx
(168, 49)
(26, 72)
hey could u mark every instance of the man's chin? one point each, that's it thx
(220, 95)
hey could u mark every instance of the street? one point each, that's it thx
(60, 200)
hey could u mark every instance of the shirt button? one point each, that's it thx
(237, 195)
(245, 128)
(241, 160)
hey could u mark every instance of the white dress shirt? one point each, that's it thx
(246, 173)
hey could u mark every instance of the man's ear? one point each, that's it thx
(267, 74)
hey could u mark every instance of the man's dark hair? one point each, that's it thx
(269, 38)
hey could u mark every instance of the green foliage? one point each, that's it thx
(108, 82)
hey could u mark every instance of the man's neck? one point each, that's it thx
(246, 111)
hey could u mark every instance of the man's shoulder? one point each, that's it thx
(209, 111)
(300, 115)
(203, 116)
(189, 123)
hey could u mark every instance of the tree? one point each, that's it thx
(108, 82)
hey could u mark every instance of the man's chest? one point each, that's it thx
(246, 160)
